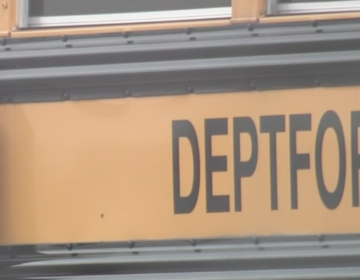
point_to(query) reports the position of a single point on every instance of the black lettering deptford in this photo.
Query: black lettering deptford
(271, 125)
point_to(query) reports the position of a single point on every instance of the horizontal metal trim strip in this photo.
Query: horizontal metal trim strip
(161, 42)
(180, 66)
(254, 32)
(50, 57)
(83, 89)
(285, 274)
(275, 253)
(203, 244)
(200, 257)
(122, 47)
(205, 248)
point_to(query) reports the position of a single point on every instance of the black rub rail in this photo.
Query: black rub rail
(306, 257)
(228, 59)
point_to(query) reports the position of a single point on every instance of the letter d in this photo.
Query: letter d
(184, 128)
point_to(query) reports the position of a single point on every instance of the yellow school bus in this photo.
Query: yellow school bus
(202, 139)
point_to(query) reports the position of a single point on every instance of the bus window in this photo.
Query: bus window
(288, 7)
(50, 13)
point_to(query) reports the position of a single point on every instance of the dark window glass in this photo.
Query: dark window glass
(91, 7)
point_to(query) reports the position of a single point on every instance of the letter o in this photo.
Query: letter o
(330, 199)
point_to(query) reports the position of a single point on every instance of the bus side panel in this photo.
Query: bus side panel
(103, 170)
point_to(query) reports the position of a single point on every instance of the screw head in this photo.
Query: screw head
(127, 93)
(252, 86)
(66, 95)
(321, 238)
(314, 23)
(250, 27)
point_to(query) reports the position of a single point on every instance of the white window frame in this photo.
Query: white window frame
(323, 6)
(25, 21)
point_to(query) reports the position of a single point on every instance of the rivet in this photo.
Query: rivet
(69, 246)
(321, 238)
(190, 89)
(252, 86)
(126, 34)
(316, 82)
(66, 95)
(193, 242)
(127, 93)
(3, 41)
(314, 23)
(131, 244)
(250, 27)
(188, 31)
(64, 38)
(256, 240)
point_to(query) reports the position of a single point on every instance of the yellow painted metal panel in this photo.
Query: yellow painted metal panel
(4, 16)
(7, 16)
(103, 170)
(246, 11)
